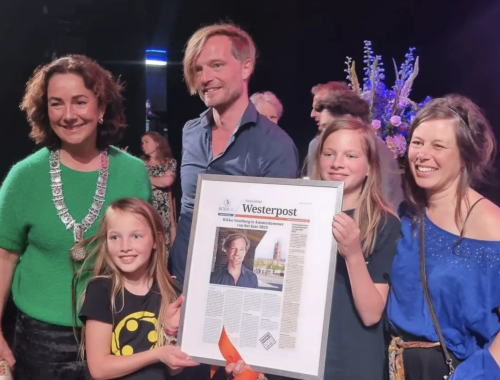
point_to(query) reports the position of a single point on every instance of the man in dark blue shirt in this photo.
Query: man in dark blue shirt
(235, 273)
(231, 137)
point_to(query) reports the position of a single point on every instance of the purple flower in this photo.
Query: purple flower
(397, 144)
(403, 127)
(403, 102)
(376, 124)
(396, 121)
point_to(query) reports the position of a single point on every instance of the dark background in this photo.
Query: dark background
(301, 43)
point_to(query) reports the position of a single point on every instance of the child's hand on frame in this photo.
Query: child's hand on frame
(172, 316)
(175, 359)
(235, 369)
(348, 236)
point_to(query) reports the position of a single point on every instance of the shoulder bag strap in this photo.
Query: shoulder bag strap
(423, 277)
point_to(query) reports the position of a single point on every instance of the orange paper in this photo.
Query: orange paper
(232, 355)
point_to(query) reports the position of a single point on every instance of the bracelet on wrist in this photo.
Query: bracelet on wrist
(170, 337)
(172, 333)
(170, 340)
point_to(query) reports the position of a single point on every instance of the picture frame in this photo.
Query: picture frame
(261, 263)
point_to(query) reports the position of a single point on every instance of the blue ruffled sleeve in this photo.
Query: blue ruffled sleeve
(480, 366)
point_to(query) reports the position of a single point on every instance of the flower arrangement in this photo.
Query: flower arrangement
(391, 109)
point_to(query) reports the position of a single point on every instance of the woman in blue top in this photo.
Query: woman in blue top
(483, 365)
(451, 148)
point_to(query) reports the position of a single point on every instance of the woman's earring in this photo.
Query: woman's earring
(101, 121)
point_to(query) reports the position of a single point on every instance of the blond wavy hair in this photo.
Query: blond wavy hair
(103, 266)
(372, 208)
(243, 48)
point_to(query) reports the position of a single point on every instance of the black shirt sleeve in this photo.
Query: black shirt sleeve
(97, 302)
(380, 261)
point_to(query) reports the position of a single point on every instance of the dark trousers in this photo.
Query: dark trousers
(9, 322)
(46, 352)
(426, 363)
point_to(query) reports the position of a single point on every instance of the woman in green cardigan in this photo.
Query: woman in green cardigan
(53, 199)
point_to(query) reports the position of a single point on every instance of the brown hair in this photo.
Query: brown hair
(164, 151)
(476, 144)
(98, 80)
(330, 86)
(105, 268)
(243, 48)
(226, 244)
(343, 102)
(372, 207)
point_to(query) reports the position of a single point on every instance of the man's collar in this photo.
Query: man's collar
(249, 116)
(244, 269)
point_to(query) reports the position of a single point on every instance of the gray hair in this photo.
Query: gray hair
(269, 97)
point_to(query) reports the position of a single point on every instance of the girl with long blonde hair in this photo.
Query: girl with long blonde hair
(366, 231)
(131, 305)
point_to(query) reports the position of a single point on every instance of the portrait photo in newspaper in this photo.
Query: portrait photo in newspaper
(261, 266)
(249, 258)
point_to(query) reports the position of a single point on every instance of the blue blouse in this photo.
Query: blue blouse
(480, 366)
(464, 286)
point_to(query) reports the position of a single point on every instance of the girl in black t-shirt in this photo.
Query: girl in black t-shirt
(131, 305)
(366, 232)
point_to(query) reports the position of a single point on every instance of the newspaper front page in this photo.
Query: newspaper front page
(260, 266)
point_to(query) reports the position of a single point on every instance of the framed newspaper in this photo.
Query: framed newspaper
(261, 265)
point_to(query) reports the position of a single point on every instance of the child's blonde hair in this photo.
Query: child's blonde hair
(372, 205)
(105, 268)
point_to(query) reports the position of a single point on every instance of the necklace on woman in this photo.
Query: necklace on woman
(77, 253)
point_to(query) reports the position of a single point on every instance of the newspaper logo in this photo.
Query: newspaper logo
(267, 341)
(226, 206)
